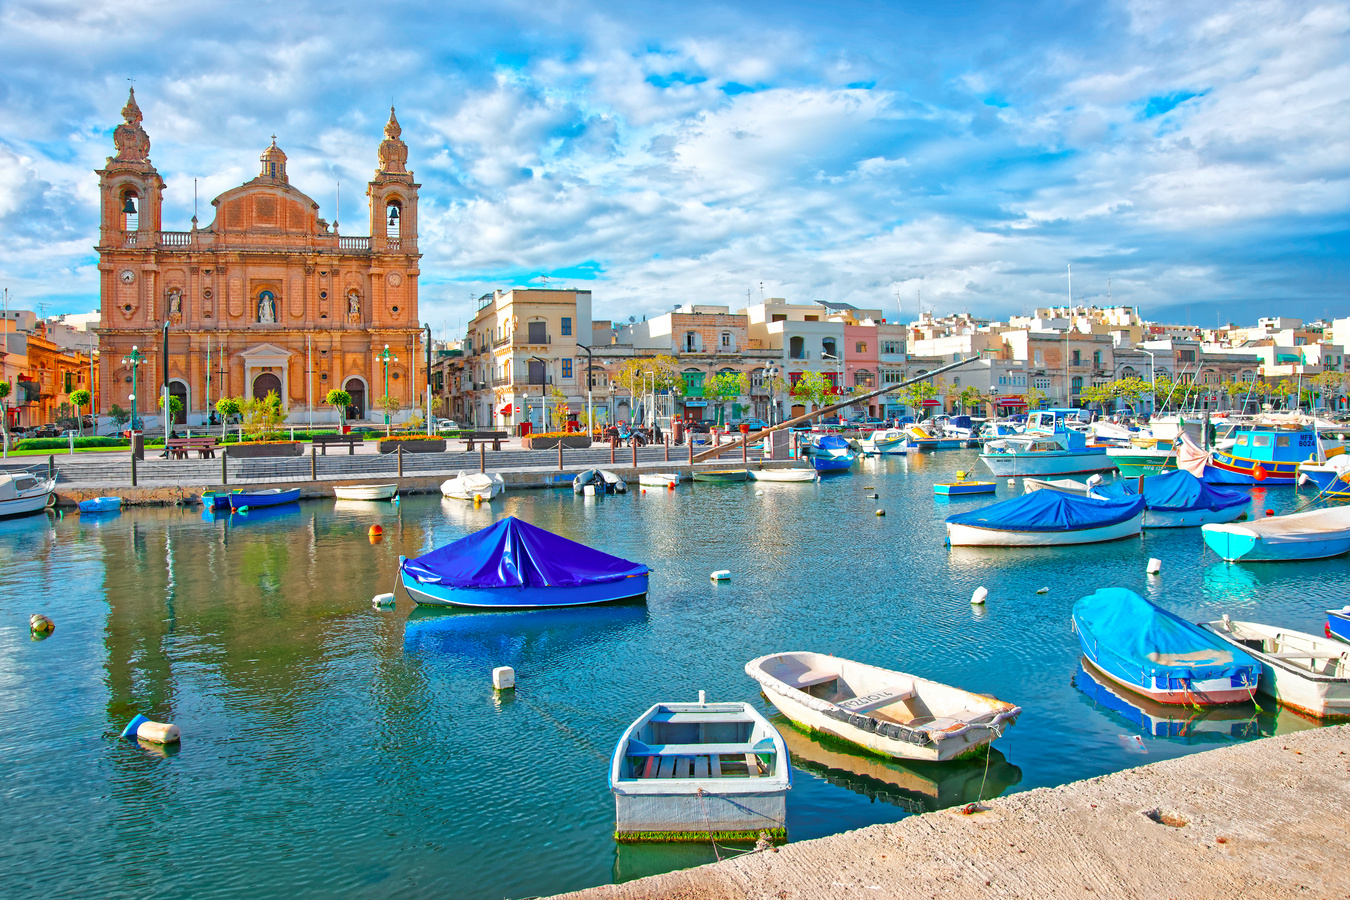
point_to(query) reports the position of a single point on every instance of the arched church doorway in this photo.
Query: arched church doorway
(265, 383)
(357, 389)
(180, 390)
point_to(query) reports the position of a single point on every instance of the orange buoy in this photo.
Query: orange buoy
(375, 533)
(1259, 473)
(1270, 512)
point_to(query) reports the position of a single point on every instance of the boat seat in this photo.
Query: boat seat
(876, 699)
(1306, 654)
(670, 751)
(809, 678)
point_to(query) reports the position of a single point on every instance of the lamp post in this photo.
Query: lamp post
(428, 330)
(770, 375)
(164, 389)
(133, 359)
(386, 357)
(1152, 379)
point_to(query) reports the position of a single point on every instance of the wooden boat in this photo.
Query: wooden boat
(722, 476)
(101, 505)
(1316, 534)
(659, 479)
(1149, 650)
(964, 488)
(920, 438)
(885, 441)
(1047, 519)
(1307, 673)
(217, 499)
(1047, 447)
(1260, 455)
(1338, 624)
(700, 772)
(1063, 485)
(23, 493)
(891, 713)
(1179, 500)
(365, 491)
(602, 480)
(516, 565)
(473, 486)
(1135, 461)
(1332, 478)
(793, 475)
(244, 500)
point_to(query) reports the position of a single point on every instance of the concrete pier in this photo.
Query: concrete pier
(1256, 820)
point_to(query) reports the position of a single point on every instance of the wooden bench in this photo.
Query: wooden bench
(876, 699)
(179, 448)
(483, 437)
(323, 440)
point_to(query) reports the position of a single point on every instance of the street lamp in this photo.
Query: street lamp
(386, 357)
(590, 383)
(771, 375)
(1152, 379)
(651, 401)
(428, 330)
(133, 359)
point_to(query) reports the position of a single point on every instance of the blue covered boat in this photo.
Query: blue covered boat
(1047, 519)
(1338, 623)
(830, 453)
(241, 500)
(1259, 455)
(1179, 500)
(514, 565)
(1149, 650)
(1315, 534)
(101, 504)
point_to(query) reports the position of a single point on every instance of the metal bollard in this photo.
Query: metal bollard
(398, 452)
(560, 443)
(482, 458)
(667, 448)
(611, 453)
(691, 450)
(313, 464)
(224, 473)
(133, 470)
(635, 443)
(51, 466)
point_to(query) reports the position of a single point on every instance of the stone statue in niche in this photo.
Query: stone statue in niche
(176, 306)
(267, 308)
(354, 306)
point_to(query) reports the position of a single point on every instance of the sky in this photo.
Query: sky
(1189, 159)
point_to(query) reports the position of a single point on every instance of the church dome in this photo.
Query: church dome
(274, 162)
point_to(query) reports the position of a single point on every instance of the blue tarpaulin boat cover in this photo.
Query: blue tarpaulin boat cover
(1051, 511)
(513, 553)
(831, 442)
(1138, 634)
(1179, 491)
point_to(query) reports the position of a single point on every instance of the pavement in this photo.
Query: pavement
(1263, 819)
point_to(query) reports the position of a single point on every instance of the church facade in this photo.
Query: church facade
(267, 297)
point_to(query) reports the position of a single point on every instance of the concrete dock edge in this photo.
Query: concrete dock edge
(1262, 819)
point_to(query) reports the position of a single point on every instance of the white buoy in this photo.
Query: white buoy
(382, 600)
(1045, 590)
(1154, 566)
(1012, 481)
(702, 698)
(588, 490)
(721, 575)
(158, 732)
(978, 597)
(503, 678)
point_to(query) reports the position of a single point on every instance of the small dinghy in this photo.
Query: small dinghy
(963, 488)
(1063, 485)
(516, 565)
(1338, 623)
(23, 493)
(602, 480)
(217, 499)
(1149, 650)
(659, 479)
(1317, 534)
(722, 476)
(246, 500)
(365, 491)
(1307, 673)
(830, 453)
(1179, 500)
(784, 475)
(101, 505)
(474, 486)
(883, 442)
(700, 772)
(1047, 519)
(891, 713)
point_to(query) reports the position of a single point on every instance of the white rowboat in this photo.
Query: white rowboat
(23, 494)
(659, 479)
(475, 486)
(365, 491)
(1307, 673)
(784, 475)
(886, 712)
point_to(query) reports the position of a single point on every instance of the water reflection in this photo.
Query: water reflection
(508, 638)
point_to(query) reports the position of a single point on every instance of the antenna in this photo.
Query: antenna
(337, 210)
(194, 200)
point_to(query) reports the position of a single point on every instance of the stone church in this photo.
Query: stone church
(267, 297)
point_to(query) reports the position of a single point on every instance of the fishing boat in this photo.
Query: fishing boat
(964, 488)
(784, 475)
(100, 505)
(885, 441)
(365, 491)
(1153, 652)
(244, 500)
(515, 565)
(700, 772)
(1047, 447)
(602, 481)
(1331, 478)
(1162, 720)
(830, 453)
(217, 499)
(1307, 673)
(1338, 623)
(659, 479)
(1316, 534)
(1267, 454)
(722, 476)
(1047, 519)
(23, 493)
(891, 713)
(479, 486)
(1179, 500)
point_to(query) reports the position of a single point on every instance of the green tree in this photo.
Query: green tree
(1163, 389)
(339, 400)
(119, 416)
(723, 387)
(913, 395)
(262, 417)
(1100, 394)
(1034, 397)
(664, 371)
(389, 406)
(969, 397)
(67, 416)
(227, 406)
(175, 406)
(813, 388)
(83, 398)
(1131, 390)
(1327, 386)
(4, 413)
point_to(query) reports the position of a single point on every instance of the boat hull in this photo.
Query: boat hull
(971, 536)
(1069, 462)
(524, 597)
(245, 500)
(1293, 686)
(365, 491)
(1234, 544)
(784, 475)
(1133, 463)
(964, 488)
(1338, 625)
(659, 479)
(1329, 482)
(470, 487)
(1227, 468)
(832, 463)
(24, 506)
(1212, 692)
(101, 505)
(1193, 518)
(725, 477)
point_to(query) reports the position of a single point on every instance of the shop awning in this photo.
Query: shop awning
(1011, 401)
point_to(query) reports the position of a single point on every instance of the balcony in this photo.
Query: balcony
(357, 244)
(501, 342)
(529, 341)
(800, 354)
(499, 380)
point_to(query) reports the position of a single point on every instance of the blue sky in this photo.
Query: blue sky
(1195, 157)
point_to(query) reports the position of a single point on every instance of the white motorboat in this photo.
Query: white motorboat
(365, 491)
(700, 771)
(1063, 485)
(885, 441)
(1047, 447)
(659, 479)
(1307, 673)
(784, 475)
(1316, 534)
(891, 713)
(474, 486)
(23, 493)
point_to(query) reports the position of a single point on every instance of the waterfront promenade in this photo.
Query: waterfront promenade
(1261, 819)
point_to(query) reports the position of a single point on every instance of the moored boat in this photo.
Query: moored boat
(700, 772)
(830, 453)
(1153, 652)
(217, 499)
(474, 486)
(920, 438)
(722, 476)
(1338, 623)
(885, 441)
(964, 488)
(602, 481)
(1259, 455)
(101, 505)
(1332, 478)
(793, 475)
(365, 491)
(1305, 672)
(659, 479)
(1135, 461)
(1047, 519)
(1316, 534)
(891, 713)
(1163, 720)
(1063, 485)
(23, 493)
(246, 500)
(1179, 500)
(516, 565)
(1047, 447)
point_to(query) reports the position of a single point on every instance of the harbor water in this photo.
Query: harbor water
(331, 748)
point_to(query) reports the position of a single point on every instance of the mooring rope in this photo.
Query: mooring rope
(989, 751)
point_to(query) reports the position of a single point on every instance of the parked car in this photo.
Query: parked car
(755, 423)
(866, 422)
(697, 427)
(443, 425)
(47, 430)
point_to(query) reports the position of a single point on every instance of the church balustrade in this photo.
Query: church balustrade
(354, 243)
(175, 238)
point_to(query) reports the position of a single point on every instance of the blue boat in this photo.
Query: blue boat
(241, 500)
(1315, 534)
(1259, 455)
(1338, 623)
(101, 505)
(216, 499)
(1332, 478)
(1147, 649)
(516, 565)
(1047, 519)
(1158, 720)
(963, 488)
(1178, 499)
(830, 453)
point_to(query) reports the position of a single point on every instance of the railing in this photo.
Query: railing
(395, 244)
(129, 240)
(527, 340)
(501, 342)
(499, 380)
(801, 354)
(175, 238)
(354, 243)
